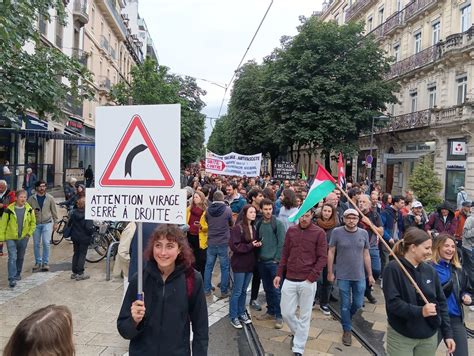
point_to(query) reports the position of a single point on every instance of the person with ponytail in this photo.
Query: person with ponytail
(412, 324)
(173, 299)
(327, 221)
(456, 287)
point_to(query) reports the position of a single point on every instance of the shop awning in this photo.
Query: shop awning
(70, 137)
(393, 158)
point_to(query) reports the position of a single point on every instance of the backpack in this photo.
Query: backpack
(273, 222)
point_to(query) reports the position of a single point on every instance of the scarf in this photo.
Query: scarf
(327, 225)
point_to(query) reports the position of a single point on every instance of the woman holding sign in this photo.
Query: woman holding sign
(173, 299)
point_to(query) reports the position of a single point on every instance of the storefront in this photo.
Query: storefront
(455, 168)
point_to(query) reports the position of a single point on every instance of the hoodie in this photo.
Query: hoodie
(436, 221)
(404, 306)
(219, 221)
(170, 313)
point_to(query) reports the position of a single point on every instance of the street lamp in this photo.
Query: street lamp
(369, 168)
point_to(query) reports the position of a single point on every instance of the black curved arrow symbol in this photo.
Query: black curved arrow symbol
(131, 156)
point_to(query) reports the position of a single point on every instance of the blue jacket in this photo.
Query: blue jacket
(237, 204)
(390, 217)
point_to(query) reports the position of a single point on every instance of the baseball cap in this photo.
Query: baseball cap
(467, 203)
(461, 188)
(416, 204)
(351, 212)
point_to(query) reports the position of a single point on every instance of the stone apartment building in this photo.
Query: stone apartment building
(432, 42)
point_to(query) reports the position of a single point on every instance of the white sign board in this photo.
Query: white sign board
(137, 160)
(233, 164)
(458, 148)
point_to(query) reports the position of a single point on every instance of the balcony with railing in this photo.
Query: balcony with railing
(457, 42)
(417, 7)
(79, 12)
(393, 22)
(104, 83)
(435, 117)
(418, 60)
(356, 9)
(73, 106)
(80, 55)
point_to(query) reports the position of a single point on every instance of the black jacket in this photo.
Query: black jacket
(81, 229)
(409, 221)
(165, 329)
(404, 305)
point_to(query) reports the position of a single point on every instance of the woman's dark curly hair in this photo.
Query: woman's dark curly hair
(173, 233)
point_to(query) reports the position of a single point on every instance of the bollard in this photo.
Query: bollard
(107, 261)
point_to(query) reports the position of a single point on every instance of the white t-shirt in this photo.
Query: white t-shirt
(284, 215)
(6, 170)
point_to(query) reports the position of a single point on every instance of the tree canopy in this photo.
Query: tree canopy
(33, 75)
(153, 84)
(319, 90)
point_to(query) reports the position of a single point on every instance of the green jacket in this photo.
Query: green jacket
(9, 225)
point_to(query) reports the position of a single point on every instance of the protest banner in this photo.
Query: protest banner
(233, 164)
(284, 170)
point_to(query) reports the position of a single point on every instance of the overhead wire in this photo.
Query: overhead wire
(243, 58)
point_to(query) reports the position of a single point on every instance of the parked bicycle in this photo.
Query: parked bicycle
(57, 234)
(106, 232)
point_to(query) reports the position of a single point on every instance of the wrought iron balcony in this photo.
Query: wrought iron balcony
(414, 120)
(80, 55)
(416, 7)
(357, 9)
(418, 60)
(79, 12)
(393, 22)
(104, 83)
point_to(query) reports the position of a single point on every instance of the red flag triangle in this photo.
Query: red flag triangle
(106, 180)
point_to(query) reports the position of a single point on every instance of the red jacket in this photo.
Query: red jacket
(305, 253)
(460, 226)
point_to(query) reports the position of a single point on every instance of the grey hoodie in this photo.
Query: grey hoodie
(219, 220)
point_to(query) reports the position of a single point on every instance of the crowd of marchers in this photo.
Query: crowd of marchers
(332, 255)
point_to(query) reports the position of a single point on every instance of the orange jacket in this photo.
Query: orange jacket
(460, 227)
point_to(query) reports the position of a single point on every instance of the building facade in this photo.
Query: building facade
(431, 42)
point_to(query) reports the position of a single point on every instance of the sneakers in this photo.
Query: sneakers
(12, 283)
(17, 278)
(278, 323)
(73, 275)
(347, 338)
(265, 317)
(45, 268)
(236, 323)
(37, 267)
(325, 309)
(255, 306)
(245, 319)
(471, 308)
(81, 277)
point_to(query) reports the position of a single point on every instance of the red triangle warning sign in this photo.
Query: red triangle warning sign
(108, 180)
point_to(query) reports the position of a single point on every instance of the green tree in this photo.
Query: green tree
(220, 141)
(152, 84)
(252, 129)
(31, 73)
(319, 90)
(425, 184)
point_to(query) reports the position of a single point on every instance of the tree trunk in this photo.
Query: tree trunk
(327, 160)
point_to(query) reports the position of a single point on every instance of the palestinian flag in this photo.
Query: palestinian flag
(323, 184)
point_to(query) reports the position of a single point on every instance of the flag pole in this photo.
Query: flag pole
(387, 246)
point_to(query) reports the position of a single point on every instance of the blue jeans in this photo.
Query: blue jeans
(239, 294)
(16, 255)
(42, 235)
(268, 271)
(375, 262)
(349, 307)
(212, 253)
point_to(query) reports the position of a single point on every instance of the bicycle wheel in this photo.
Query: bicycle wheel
(97, 249)
(57, 234)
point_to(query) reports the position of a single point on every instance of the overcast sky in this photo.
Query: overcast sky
(207, 38)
